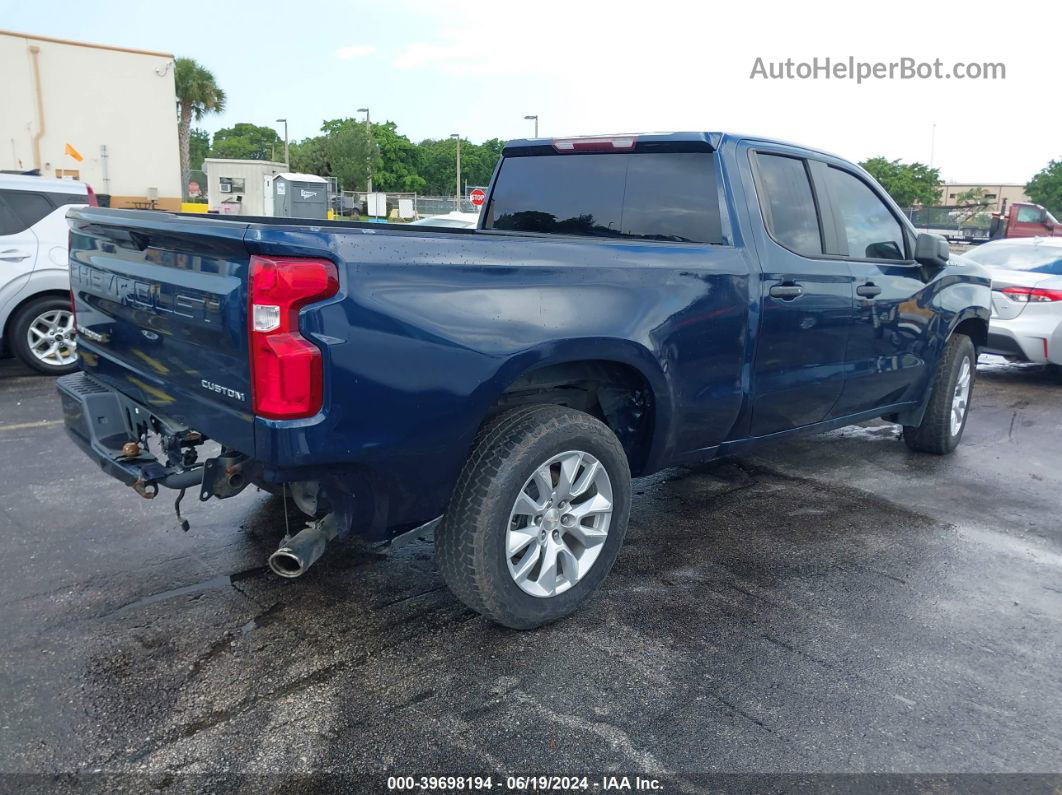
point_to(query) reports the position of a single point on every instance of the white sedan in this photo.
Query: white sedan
(454, 220)
(1026, 273)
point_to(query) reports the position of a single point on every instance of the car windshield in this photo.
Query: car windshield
(1039, 259)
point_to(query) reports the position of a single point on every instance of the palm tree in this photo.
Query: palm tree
(197, 94)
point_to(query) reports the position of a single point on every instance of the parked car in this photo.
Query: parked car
(1024, 219)
(1026, 322)
(454, 220)
(36, 323)
(627, 303)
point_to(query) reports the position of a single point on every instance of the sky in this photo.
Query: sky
(477, 68)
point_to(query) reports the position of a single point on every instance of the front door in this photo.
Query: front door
(886, 346)
(806, 302)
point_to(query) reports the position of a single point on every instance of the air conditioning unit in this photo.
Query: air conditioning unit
(225, 187)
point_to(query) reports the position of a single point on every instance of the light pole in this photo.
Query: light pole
(368, 138)
(287, 160)
(535, 119)
(457, 197)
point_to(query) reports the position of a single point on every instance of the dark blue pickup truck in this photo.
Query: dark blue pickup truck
(628, 303)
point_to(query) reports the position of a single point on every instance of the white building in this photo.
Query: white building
(112, 107)
(241, 187)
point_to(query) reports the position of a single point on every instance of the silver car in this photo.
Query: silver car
(1026, 273)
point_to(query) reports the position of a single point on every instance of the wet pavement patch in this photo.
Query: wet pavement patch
(835, 603)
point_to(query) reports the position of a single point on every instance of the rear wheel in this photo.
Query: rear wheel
(537, 517)
(43, 336)
(949, 403)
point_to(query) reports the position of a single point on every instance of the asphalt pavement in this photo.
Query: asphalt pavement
(834, 604)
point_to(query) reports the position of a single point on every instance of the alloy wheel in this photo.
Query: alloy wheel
(559, 523)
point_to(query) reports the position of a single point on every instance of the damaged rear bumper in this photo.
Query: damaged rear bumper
(112, 430)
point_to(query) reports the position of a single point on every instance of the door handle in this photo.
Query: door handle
(12, 255)
(787, 292)
(868, 290)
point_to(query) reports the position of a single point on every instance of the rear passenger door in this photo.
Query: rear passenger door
(18, 242)
(806, 298)
(886, 354)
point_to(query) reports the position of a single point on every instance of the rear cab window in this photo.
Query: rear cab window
(654, 196)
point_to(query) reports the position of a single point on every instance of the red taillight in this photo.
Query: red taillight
(92, 197)
(596, 143)
(287, 379)
(1032, 295)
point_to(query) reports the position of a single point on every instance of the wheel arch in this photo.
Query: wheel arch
(619, 381)
(973, 322)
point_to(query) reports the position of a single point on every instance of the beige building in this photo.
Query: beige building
(998, 197)
(112, 107)
(241, 187)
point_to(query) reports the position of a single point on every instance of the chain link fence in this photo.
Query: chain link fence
(351, 204)
(971, 223)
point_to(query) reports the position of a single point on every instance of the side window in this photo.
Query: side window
(28, 208)
(788, 204)
(1029, 215)
(873, 232)
(9, 224)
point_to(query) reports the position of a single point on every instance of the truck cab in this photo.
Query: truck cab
(1025, 219)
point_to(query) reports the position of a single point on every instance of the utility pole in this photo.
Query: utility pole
(368, 137)
(287, 160)
(457, 197)
(535, 119)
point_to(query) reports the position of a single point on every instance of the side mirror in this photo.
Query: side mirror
(931, 250)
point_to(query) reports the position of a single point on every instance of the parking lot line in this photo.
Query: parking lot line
(21, 426)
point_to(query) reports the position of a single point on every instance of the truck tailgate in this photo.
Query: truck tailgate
(161, 303)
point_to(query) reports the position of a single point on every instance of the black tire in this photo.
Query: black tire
(934, 434)
(470, 542)
(20, 324)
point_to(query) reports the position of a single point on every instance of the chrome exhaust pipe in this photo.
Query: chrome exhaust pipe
(297, 553)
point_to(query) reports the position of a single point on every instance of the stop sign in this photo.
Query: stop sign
(477, 197)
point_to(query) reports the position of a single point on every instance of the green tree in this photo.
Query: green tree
(343, 150)
(909, 184)
(308, 156)
(198, 149)
(972, 204)
(439, 165)
(350, 153)
(400, 161)
(246, 141)
(197, 94)
(1046, 187)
